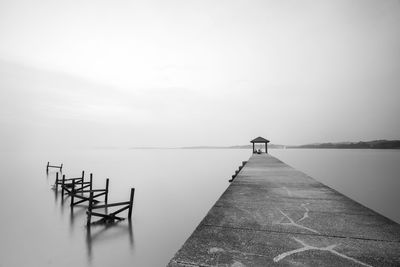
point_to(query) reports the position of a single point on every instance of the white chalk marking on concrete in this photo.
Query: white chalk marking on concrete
(219, 251)
(237, 264)
(309, 247)
(306, 213)
(295, 224)
(247, 253)
(215, 250)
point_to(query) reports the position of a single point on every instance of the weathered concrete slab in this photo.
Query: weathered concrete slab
(220, 246)
(273, 214)
(300, 221)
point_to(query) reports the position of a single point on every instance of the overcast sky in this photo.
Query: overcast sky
(179, 73)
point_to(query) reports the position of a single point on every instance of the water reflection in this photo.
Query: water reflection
(55, 194)
(76, 212)
(63, 200)
(49, 172)
(104, 232)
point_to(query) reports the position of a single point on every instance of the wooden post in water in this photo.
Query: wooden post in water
(91, 181)
(62, 185)
(89, 211)
(57, 181)
(106, 195)
(131, 203)
(72, 193)
(47, 167)
(61, 167)
(83, 174)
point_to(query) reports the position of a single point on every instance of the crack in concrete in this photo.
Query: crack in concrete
(299, 233)
(223, 206)
(309, 247)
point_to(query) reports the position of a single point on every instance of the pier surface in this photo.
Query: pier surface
(273, 214)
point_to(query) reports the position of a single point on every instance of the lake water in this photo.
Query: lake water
(368, 176)
(174, 191)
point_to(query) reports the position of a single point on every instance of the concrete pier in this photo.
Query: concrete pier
(272, 214)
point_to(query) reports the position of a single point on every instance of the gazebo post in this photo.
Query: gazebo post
(260, 140)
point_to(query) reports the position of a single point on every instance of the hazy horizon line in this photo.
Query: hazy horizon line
(246, 146)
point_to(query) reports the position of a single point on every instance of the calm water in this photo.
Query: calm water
(174, 191)
(369, 176)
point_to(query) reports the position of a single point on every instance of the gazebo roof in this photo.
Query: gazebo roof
(259, 140)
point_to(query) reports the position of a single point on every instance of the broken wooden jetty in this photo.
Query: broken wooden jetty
(274, 215)
(77, 188)
(67, 183)
(94, 193)
(81, 191)
(112, 216)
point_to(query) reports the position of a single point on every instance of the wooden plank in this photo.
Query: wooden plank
(77, 178)
(111, 205)
(79, 190)
(107, 216)
(93, 190)
(119, 210)
(98, 195)
(86, 198)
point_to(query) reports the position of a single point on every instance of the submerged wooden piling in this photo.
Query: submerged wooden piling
(89, 210)
(131, 203)
(63, 185)
(57, 182)
(72, 193)
(106, 195)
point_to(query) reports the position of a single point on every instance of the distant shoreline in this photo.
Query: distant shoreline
(375, 144)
